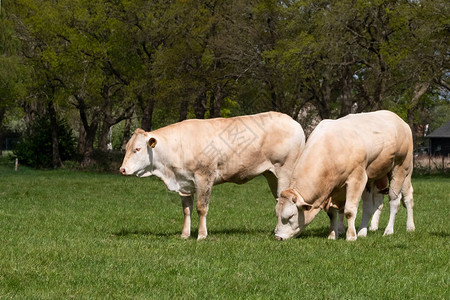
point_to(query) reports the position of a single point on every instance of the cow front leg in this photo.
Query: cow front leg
(187, 203)
(334, 223)
(355, 187)
(203, 193)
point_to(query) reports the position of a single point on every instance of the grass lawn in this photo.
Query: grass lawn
(67, 234)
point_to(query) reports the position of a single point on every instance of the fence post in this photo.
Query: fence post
(429, 164)
(16, 164)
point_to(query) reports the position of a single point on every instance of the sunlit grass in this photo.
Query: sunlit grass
(73, 234)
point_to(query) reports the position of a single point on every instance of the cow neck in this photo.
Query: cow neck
(164, 164)
(314, 190)
(315, 174)
(162, 170)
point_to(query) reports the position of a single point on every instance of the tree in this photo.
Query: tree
(345, 56)
(13, 74)
(165, 61)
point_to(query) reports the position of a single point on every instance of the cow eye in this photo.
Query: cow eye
(137, 150)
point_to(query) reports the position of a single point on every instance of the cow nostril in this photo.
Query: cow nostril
(279, 238)
(122, 170)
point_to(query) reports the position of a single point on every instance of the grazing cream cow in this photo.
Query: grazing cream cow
(345, 156)
(193, 155)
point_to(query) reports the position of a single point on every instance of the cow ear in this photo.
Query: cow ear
(299, 202)
(296, 198)
(289, 194)
(152, 142)
(305, 206)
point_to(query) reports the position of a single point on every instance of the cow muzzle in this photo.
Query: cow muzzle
(123, 171)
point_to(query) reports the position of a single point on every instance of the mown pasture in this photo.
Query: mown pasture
(70, 234)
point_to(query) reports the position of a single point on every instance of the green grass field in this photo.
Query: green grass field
(67, 234)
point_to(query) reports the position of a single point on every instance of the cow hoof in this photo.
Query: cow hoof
(332, 236)
(351, 238)
(388, 231)
(373, 228)
(201, 237)
(362, 232)
(410, 228)
(185, 236)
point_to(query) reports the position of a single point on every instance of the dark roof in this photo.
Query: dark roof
(441, 132)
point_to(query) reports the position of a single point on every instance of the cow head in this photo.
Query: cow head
(138, 159)
(293, 214)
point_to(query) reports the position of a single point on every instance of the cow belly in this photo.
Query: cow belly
(241, 174)
(380, 167)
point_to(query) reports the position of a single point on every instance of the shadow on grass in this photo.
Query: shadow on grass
(321, 232)
(308, 233)
(441, 234)
(194, 233)
(127, 232)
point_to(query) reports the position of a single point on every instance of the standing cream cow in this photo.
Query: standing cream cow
(193, 155)
(346, 155)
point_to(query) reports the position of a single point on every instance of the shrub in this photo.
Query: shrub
(35, 148)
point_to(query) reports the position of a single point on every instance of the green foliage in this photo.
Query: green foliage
(112, 60)
(35, 148)
(83, 235)
(441, 115)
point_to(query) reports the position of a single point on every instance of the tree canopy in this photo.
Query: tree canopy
(99, 63)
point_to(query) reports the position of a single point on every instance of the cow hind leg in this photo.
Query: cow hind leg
(187, 203)
(395, 196)
(408, 201)
(378, 200)
(366, 211)
(341, 226)
(394, 204)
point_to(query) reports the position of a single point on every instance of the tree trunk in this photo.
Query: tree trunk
(323, 109)
(380, 87)
(147, 112)
(2, 116)
(126, 133)
(419, 90)
(81, 139)
(56, 158)
(347, 97)
(106, 118)
(183, 110)
(88, 155)
(104, 134)
(216, 102)
(200, 106)
(322, 99)
(90, 133)
(273, 97)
